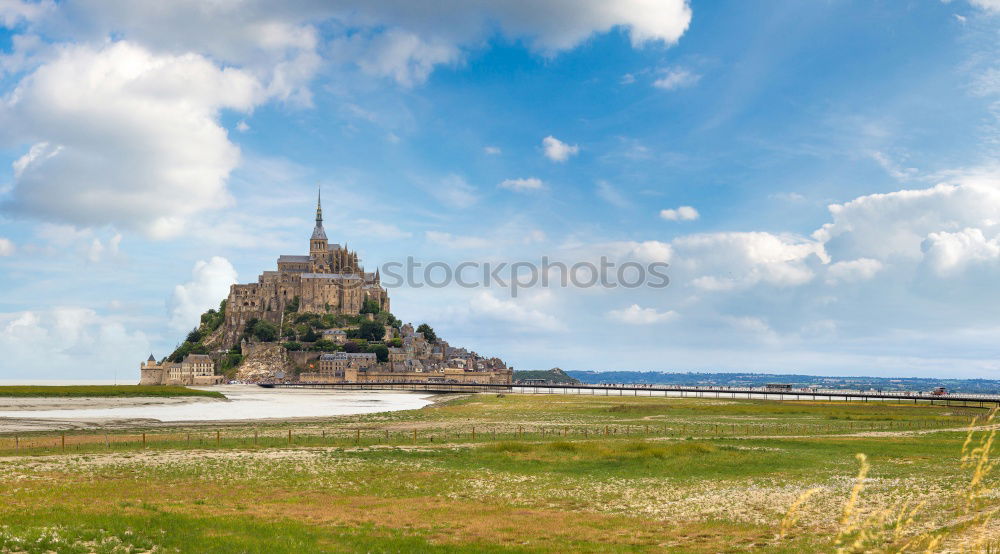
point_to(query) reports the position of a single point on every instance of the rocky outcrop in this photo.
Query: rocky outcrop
(264, 362)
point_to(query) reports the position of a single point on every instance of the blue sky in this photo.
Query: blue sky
(822, 177)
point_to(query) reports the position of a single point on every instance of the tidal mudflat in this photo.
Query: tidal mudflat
(241, 402)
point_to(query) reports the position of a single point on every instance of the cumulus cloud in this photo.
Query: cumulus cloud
(73, 342)
(392, 38)
(484, 305)
(683, 213)
(557, 150)
(209, 285)
(125, 131)
(675, 78)
(636, 315)
(15, 12)
(492, 150)
(852, 271)
(6, 247)
(895, 225)
(123, 137)
(950, 253)
(99, 251)
(522, 184)
(731, 261)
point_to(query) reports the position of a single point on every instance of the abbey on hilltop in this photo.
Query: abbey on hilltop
(318, 318)
(329, 280)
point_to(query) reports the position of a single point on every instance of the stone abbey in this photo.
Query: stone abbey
(330, 279)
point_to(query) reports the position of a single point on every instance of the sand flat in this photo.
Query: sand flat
(242, 403)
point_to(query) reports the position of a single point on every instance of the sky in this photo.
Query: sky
(822, 179)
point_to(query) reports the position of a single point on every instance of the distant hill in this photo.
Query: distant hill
(554, 375)
(981, 386)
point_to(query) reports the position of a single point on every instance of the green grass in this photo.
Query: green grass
(541, 474)
(69, 391)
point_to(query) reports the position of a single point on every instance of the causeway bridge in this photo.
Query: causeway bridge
(829, 395)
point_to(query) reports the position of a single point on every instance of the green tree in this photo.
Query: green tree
(230, 361)
(310, 336)
(397, 342)
(370, 306)
(386, 318)
(265, 331)
(371, 331)
(194, 335)
(293, 346)
(352, 346)
(324, 346)
(428, 332)
(292, 306)
(380, 351)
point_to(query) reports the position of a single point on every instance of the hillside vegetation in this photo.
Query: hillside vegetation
(365, 332)
(554, 375)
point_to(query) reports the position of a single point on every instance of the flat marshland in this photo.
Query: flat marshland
(518, 473)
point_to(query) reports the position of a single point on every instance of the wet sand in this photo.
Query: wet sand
(243, 403)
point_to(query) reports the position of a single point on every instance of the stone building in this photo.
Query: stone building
(417, 361)
(195, 369)
(328, 280)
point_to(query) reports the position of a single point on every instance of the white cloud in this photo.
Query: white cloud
(453, 241)
(242, 126)
(6, 247)
(683, 213)
(492, 150)
(787, 196)
(15, 12)
(732, 261)
(675, 78)
(392, 38)
(892, 168)
(612, 195)
(208, 286)
(636, 315)
(852, 271)
(406, 57)
(645, 251)
(484, 305)
(950, 253)
(522, 184)
(895, 225)
(989, 5)
(557, 150)
(455, 192)
(123, 137)
(99, 251)
(627, 79)
(73, 342)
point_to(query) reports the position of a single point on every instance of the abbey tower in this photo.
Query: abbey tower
(330, 279)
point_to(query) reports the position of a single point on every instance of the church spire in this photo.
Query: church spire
(318, 242)
(319, 207)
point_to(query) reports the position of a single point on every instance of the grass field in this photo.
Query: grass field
(99, 391)
(516, 473)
